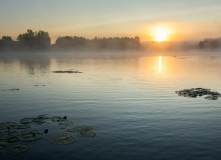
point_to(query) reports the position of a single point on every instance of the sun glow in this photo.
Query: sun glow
(160, 64)
(161, 34)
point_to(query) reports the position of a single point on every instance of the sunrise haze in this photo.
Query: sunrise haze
(185, 20)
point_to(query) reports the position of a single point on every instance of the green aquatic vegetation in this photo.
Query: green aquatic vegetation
(13, 89)
(80, 129)
(194, 92)
(30, 135)
(26, 120)
(45, 116)
(63, 140)
(14, 148)
(38, 120)
(65, 123)
(69, 71)
(4, 144)
(9, 136)
(12, 125)
(87, 134)
(62, 121)
(8, 125)
(211, 97)
(23, 126)
(84, 131)
(58, 119)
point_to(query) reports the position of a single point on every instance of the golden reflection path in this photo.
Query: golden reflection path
(160, 64)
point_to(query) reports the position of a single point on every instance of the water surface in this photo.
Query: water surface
(130, 103)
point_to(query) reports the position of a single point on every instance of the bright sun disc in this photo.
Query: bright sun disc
(161, 34)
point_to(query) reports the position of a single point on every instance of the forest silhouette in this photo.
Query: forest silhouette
(40, 40)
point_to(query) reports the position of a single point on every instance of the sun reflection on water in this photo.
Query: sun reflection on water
(160, 64)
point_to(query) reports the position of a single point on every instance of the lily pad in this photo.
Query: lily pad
(18, 148)
(45, 116)
(69, 71)
(13, 139)
(38, 120)
(57, 119)
(211, 97)
(11, 125)
(65, 123)
(3, 150)
(80, 129)
(13, 89)
(194, 92)
(14, 149)
(87, 134)
(9, 136)
(63, 140)
(26, 120)
(5, 144)
(30, 135)
(23, 126)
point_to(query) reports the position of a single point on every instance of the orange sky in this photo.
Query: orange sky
(186, 20)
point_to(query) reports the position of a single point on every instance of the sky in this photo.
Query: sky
(187, 20)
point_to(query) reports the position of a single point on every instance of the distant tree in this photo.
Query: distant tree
(43, 38)
(210, 43)
(68, 41)
(99, 43)
(35, 39)
(7, 38)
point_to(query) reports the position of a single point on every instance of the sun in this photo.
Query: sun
(161, 34)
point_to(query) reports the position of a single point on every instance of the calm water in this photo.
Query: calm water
(130, 103)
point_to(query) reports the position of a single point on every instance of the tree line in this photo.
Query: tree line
(210, 43)
(41, 40)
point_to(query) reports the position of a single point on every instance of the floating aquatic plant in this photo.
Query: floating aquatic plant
(45, 116)
(84, 131)
(80, 129)
(8, 125)
(13, 89)
(63, 140)
(194, 92)
(30, 135)
(9, 136)
(62, 120)
(4, 144)
(87, 134)
(12, 125)
(14, 148)
(65, 123)
(57, 119)
(211, 97)
(69, 71)
(38, 120)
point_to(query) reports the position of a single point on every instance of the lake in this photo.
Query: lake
(130, 102)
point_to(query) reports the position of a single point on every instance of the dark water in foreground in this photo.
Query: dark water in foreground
(130, 103)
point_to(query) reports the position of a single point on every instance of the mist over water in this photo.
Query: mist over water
(127, 97)
(109, 80)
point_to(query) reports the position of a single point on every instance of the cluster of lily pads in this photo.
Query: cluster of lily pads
(10, 136)
(194, 92)
(68, 71)
(13, 89)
